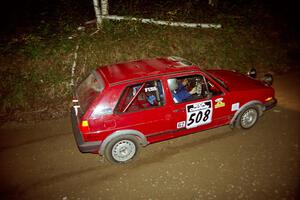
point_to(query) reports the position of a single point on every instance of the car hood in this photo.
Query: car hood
(236, 81)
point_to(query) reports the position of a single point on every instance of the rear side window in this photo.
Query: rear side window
(88, 90)
(141, 96)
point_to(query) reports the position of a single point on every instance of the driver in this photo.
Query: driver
(179, 90)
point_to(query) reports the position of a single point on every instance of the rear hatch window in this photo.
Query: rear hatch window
(88, 90)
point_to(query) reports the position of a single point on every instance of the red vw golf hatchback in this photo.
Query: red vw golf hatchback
(120, 107)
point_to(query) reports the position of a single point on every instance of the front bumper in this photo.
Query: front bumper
(270, 104)
(84, 147)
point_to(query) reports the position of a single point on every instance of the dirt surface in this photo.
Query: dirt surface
(41, 161)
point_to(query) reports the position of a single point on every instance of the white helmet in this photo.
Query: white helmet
(173, 85)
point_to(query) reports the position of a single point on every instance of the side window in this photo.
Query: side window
(141, 96)
(214, 90)
(187, 88)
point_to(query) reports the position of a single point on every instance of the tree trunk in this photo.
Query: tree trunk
(98, 13)
(104, 7)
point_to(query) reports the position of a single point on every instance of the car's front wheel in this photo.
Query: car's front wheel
(122, 149)
(247, 118)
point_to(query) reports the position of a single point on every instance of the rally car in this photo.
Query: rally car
(119, 108)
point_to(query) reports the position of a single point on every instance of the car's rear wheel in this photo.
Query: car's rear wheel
(247, 118)
(122, 149)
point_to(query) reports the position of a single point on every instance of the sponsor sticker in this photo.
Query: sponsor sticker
(219, 103)
(235, 106)
(150, 89)
(181, 124)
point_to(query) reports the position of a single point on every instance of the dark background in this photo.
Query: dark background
(279, 17)
(25, 14)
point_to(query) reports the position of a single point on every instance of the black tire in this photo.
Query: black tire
(247, 118)
(122, 149)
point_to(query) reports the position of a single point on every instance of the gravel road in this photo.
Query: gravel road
(41, 161)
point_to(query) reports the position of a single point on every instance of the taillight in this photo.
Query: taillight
(84, 126)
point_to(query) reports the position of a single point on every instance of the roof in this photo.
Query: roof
(117, 73)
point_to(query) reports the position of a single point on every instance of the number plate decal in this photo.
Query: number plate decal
(198, 114)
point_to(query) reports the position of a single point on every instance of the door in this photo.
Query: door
(198, 104)
(142, 108)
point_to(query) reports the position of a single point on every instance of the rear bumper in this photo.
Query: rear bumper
(84, 147)
(271, 104)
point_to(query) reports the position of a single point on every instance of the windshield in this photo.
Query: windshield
(88, 90)
(220, 82)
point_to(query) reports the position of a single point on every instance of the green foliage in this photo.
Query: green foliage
(40, 71)
(33, 46)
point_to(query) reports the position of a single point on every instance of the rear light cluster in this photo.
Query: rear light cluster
(84, 126)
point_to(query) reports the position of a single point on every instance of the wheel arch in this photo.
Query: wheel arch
(140, 138)
(256, 103)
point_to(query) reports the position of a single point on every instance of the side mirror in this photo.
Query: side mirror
(268, 79)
